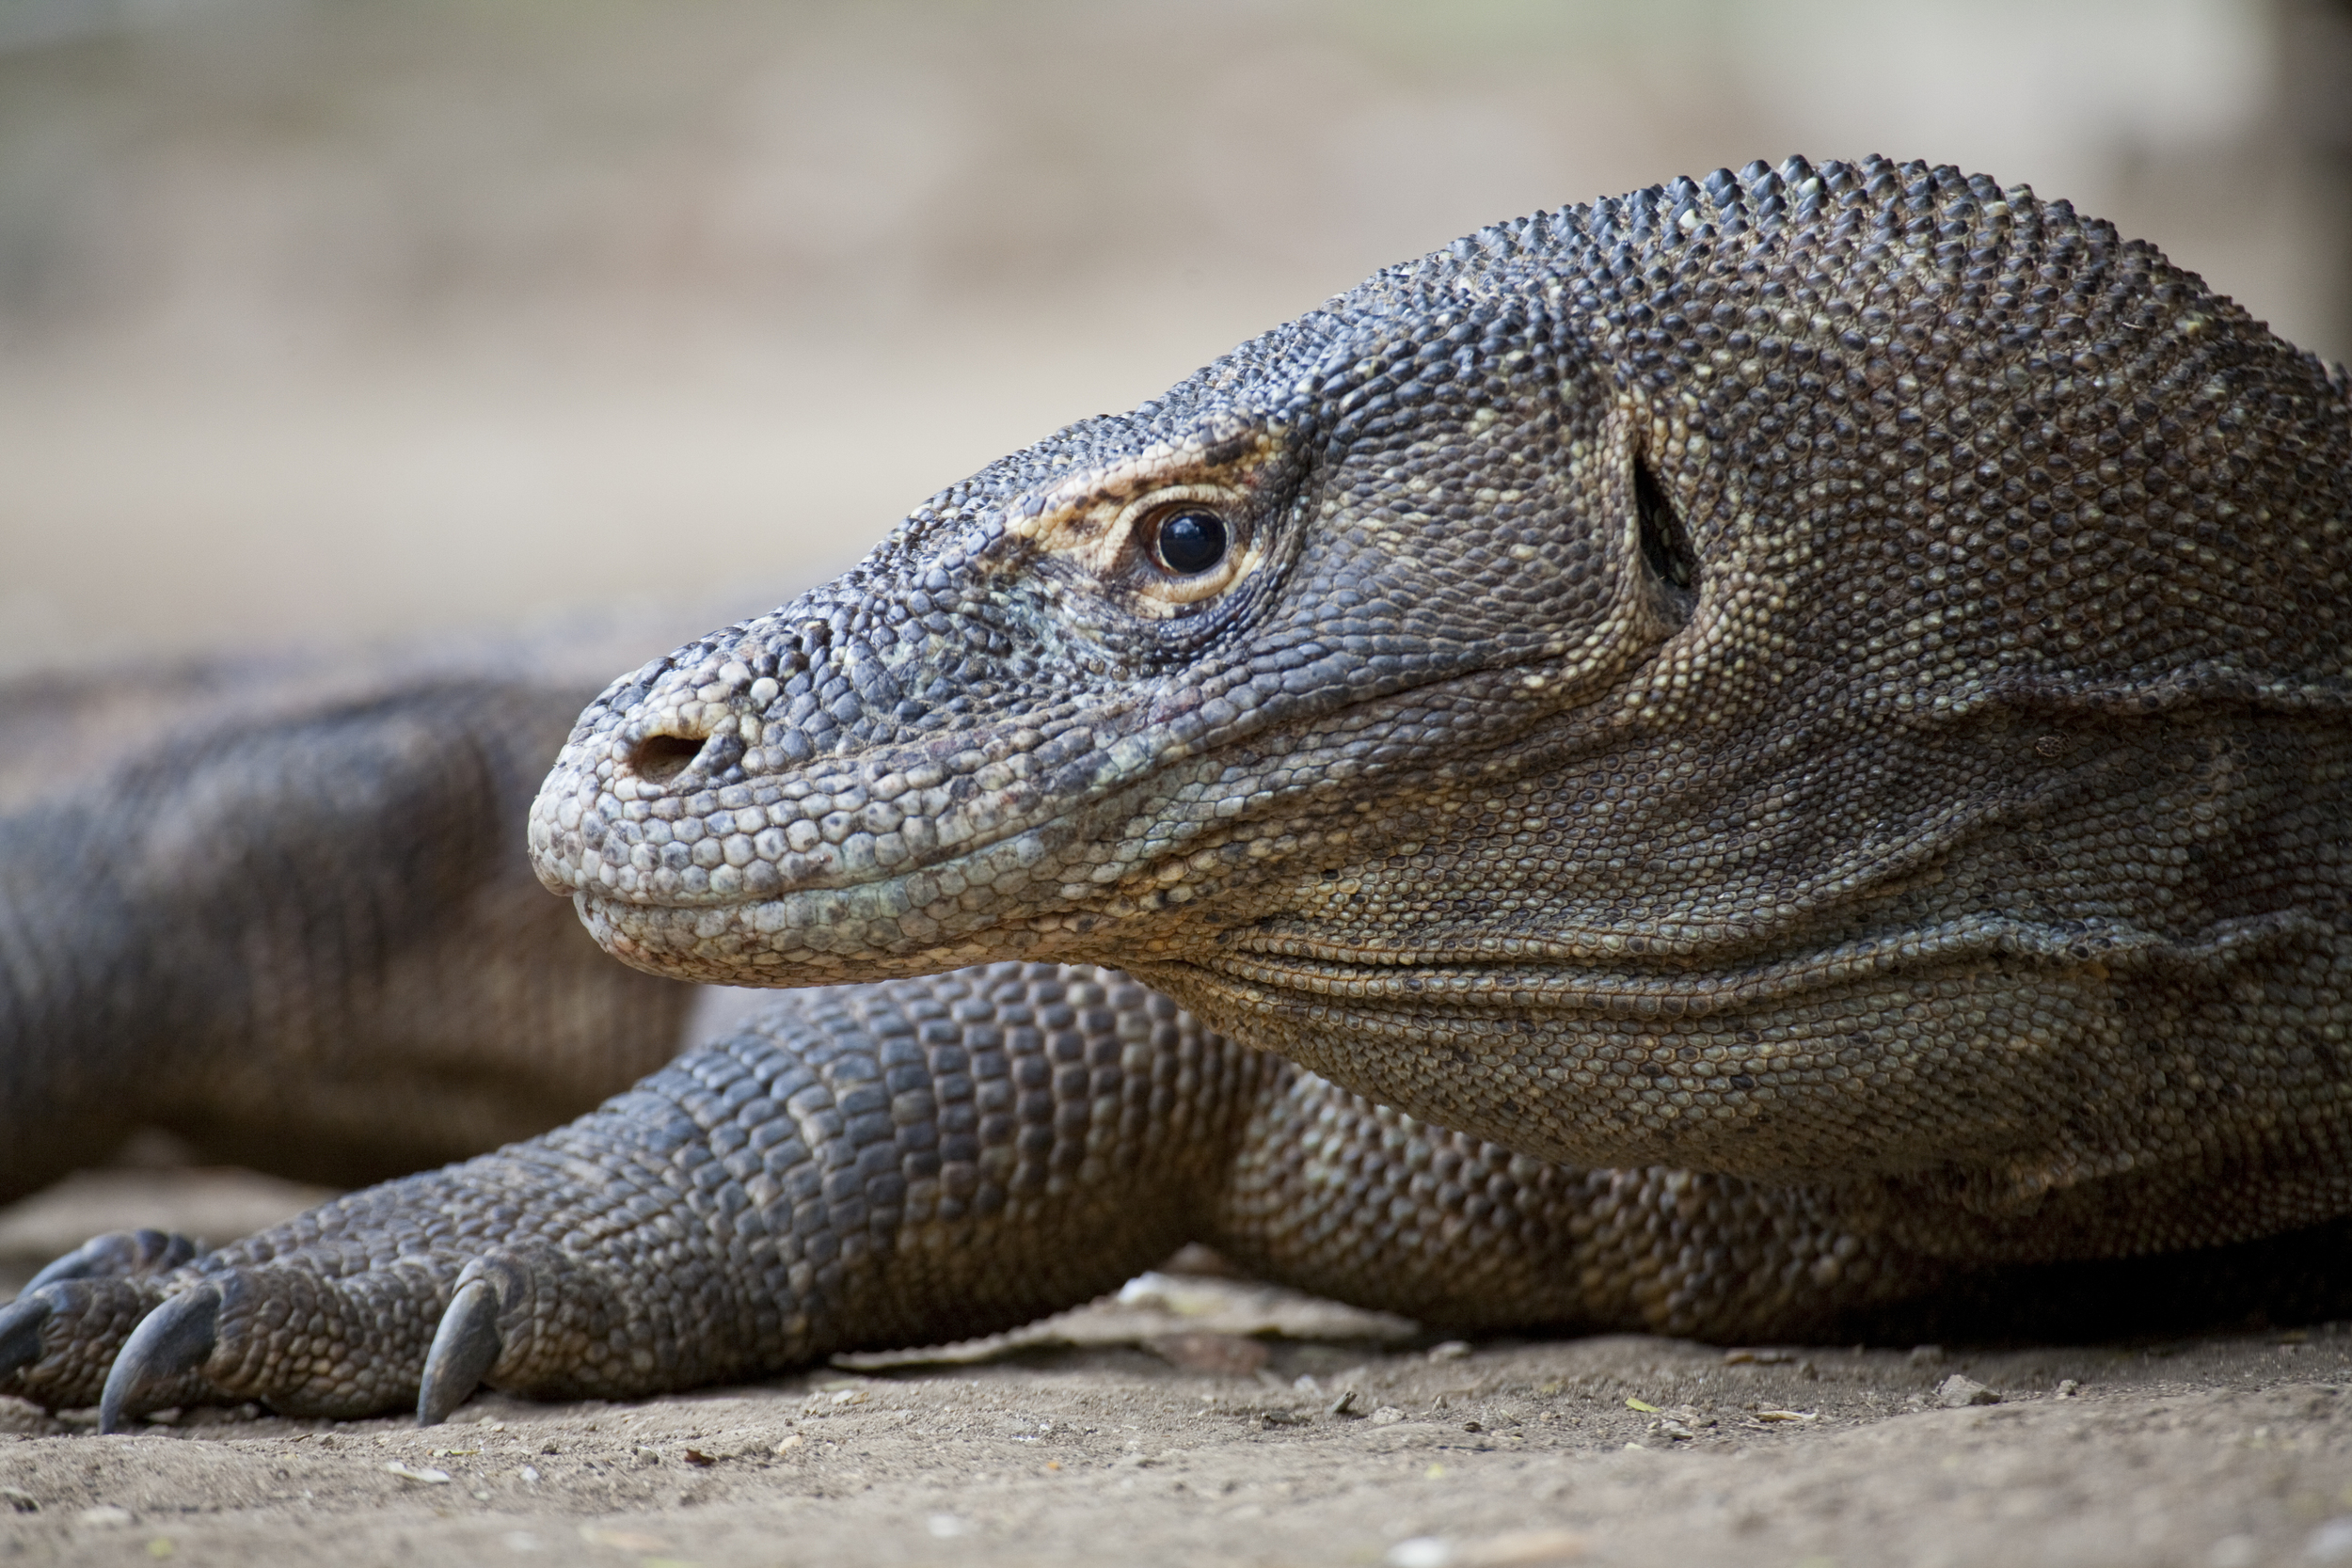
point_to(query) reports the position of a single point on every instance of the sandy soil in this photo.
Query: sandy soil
(1204, 1419)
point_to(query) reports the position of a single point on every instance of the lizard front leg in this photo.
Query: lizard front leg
(865, 1167)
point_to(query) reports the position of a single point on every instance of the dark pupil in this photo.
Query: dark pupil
(1192, 542)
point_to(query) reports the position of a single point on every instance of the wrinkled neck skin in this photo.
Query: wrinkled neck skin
(1729, 678)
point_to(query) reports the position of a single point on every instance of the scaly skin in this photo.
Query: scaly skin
(1804, 717)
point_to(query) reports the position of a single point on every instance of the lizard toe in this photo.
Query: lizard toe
(546, 1324)
(118, 1255)
(317, 1333)
(57, 1341)
(21, 1323)
(162, 1363)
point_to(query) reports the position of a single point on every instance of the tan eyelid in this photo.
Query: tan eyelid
(1089, 521)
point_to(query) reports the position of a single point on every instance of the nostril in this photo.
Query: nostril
(662, 757)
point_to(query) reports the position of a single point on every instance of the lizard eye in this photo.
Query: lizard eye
(1187, 542)
(1182, 544)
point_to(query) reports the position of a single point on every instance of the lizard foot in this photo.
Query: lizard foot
(307, 1339)
(339, 1314)
(317, 1332)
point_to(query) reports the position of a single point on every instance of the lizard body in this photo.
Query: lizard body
(1844, 686)
(299, 932)
(1771, 750)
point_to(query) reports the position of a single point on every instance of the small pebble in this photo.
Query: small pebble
(1421, 1551)
(1387, 1416)
(1957, 1392)
(1452, 1349)
(104, 1514)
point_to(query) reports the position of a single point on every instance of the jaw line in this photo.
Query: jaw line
(1129, 764)
(1530, 984)
(829, 926)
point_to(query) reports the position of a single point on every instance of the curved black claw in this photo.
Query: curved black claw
(156, 1363)
(120, 1254)
(20, 1323)
(464, 1348)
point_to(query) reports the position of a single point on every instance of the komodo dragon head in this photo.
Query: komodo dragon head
(1808, 669)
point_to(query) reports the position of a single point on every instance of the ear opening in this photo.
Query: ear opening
(1665, 543)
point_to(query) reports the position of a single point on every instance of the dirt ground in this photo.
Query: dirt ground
(1199, 1420)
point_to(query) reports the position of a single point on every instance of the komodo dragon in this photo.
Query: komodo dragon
(1753, 760)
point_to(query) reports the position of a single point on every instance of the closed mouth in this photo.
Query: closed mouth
(1478, 982)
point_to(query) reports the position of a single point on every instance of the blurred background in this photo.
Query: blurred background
(325, 323)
